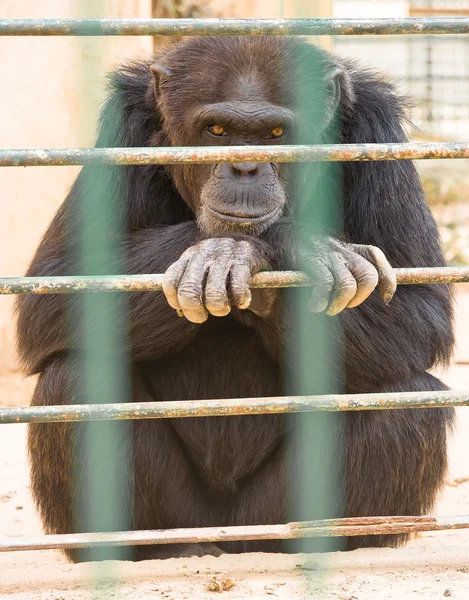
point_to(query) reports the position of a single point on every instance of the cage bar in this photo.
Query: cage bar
(213, 154)
(189, 27)
(327, 528)
(204, 155)
(232, 407)
(153, 283)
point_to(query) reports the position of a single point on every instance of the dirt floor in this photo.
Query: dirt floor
(435, 565)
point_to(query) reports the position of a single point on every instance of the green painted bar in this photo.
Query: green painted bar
(211, 154)
(152, 283)
(232, 407)
(186, 27)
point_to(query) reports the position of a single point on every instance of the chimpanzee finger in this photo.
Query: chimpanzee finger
(216, 294)
(345, 286)
(386, 276)
(323, 284)
(190, 289)
(365, 275)
(173, 276)
(240, 278)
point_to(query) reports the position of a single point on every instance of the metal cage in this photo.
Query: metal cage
(152, 283)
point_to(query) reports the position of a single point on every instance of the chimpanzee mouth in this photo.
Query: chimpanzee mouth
(245, 218)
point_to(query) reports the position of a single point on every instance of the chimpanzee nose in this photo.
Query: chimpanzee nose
(244, 168)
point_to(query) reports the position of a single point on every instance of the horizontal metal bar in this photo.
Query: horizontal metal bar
(432, 275)
(212, 154)
(152, 283)
(185, 27)
(305, 529)
(232, 407)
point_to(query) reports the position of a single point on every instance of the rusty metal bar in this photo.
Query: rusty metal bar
(211, 154)
(152, 283)
(232, 407)
(326, 528)
(186, 27)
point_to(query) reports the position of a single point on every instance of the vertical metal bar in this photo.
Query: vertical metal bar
(314, 492)
(103, 451)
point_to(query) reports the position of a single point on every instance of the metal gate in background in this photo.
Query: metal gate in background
(432, 70)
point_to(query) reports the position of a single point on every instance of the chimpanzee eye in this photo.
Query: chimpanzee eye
(277, 132)
(217, 130)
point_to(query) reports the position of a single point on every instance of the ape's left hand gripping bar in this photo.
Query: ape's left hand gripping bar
(153, 283)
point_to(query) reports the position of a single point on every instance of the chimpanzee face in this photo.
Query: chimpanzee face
(244, 197)
(204, 105)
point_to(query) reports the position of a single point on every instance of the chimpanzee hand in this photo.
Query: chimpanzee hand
(213, 276)
(344, 275)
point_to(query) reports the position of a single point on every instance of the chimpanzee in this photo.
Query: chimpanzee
(209, 228)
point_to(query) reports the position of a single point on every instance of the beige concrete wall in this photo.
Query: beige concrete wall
(50, 90)
(271, 9)
(276, 9)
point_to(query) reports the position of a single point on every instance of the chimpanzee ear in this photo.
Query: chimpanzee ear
(160, 74)
(332, 90)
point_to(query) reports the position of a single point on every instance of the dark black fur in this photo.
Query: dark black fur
(236, 473)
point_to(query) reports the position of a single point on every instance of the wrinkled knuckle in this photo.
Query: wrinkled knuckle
(216, 297)
(239, 290)
(244, 269)
(370, 278)
(327, 281)
(190, 295)
(244, 246)
(322, 275)
(348, 285)
(243, 252)
(239, 287)
(227, 243)
(337, 256)
(203, 248)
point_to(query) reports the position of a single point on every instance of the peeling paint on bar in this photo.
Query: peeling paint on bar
(232, 407)
(67, 285)
(190, 27)
(152, 283)
(210, 154)
(326, 528)
(432, 275)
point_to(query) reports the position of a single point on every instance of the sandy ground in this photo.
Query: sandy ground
(435, 565)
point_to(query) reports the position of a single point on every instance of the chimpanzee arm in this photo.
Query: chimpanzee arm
(388, 341)
(48, 324)
(383, 206)
(146, 224)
